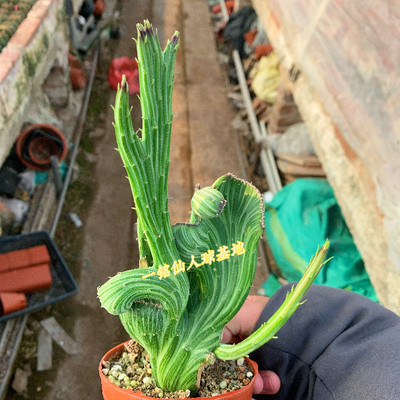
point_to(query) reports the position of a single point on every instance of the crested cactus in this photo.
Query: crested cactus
(193, 277)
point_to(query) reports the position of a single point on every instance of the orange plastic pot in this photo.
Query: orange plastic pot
(113, 392)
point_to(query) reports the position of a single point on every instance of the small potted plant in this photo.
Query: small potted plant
(192, 277)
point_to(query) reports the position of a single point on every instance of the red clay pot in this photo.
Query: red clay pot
(250, 36)
(99, 7)
(12, 302)
(77, 77)
(113, 392)
(262, 50)
(230, 5)
(35, 150)
(24, 258)
(26, 280)
(74, 61)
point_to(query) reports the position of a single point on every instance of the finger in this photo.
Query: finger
(258, 384)
(227, 336)
(267, 382)
(244, 322)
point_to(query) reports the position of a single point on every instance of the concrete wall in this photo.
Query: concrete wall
(344, 67)
(40, 43)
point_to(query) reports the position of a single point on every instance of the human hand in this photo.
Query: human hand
(241, 326)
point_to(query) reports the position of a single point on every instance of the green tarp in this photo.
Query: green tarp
(298, 220)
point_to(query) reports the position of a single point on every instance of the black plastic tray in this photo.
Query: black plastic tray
(63, 284)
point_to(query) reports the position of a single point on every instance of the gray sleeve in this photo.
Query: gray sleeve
(337, 345)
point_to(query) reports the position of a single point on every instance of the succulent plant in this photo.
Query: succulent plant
(193, 277)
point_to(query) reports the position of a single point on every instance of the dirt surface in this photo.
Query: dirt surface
(203, 148)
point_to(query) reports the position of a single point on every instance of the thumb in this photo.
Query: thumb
(227, 335)
(267, 382)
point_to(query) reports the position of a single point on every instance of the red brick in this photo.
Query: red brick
(11, 54)
(13, 260)
(24, 258)
(12, 302)
(25, 32)
(38, 255)
(39, 10)
(26, 280)
(5, 67)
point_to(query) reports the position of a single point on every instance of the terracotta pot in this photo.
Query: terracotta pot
(250, 36)
(26, 280)
(37, 143)
(113, 392)
(77, 77)
(262, 50)
(229, 4)
(99, 7)
(12, 302)
(73, 61)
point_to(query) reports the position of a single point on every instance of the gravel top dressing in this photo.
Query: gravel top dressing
(132, 370)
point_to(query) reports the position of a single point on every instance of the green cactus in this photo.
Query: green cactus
(206, 203)
(193, 277)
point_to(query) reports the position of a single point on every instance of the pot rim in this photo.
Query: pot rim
(119, 348)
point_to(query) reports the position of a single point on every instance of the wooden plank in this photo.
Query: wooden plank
(59, 335)
(11, 336)
(299, 170)
(45, 351)
(302, 160)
